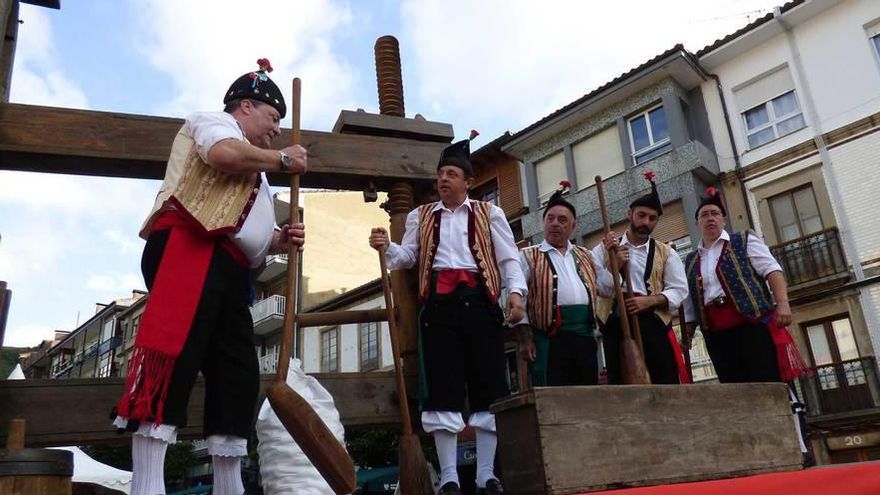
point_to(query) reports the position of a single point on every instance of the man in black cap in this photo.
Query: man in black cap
(563, 284)
(658, 283)
(465, 254)
(212, 222)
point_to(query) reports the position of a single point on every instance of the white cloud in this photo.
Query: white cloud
(114, 284)
(37, 80)
(515, 61)
(204, 51)
(27, 335)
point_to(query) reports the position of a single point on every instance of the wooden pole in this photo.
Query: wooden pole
(632, 362)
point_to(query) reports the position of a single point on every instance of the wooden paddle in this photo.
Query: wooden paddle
(414, 476)
(299, 418)
(632, 362)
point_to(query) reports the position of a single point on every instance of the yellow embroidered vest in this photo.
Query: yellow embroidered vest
(605, 305)
(218, 201)
(479, 242)
(541, 297)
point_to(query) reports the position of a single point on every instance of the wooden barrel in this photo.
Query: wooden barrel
(35, 472)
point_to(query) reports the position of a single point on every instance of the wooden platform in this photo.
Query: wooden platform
(565, 440)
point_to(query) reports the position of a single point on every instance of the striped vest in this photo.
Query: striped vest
(653, 281)
(541, 299)
(741, 283)
(479, 242)
(218, 201)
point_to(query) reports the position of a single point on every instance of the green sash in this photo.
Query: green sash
(575, 319)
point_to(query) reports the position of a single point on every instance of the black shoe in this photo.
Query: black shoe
(493, 487)
(449, 488)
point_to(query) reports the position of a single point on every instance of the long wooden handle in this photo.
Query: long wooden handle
(615, 268)
(633, 319)
(293, 251)
(395, 347)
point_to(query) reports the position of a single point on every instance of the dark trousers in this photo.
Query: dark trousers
(220, 344)
(572, 360)
(463, 353)
(743, 354)
(659, 355)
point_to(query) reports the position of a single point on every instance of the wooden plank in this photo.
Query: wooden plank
(76, 411)
(326, 318)
(607, 437)
(82, 142)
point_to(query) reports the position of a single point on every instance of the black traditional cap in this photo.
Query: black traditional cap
(257, 86)
(712, 197)
(459, 155)
(652, 199)
(557, 200)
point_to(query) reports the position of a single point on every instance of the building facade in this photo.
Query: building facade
(800, 97)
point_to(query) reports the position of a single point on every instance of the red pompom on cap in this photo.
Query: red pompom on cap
(565, 183)
(264, 64)
(649, 176)
(474, 134)
(711, 191)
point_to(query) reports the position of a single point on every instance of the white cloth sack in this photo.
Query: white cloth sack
(284, 468)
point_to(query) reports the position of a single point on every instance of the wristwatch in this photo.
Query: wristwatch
(285, 161)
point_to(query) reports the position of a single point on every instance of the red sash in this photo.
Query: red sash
(683, 376)
(448, 280)
(169, 314)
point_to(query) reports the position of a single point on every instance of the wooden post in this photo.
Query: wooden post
(15, 438)
(403, 282)
(9, 28)
(5, 301)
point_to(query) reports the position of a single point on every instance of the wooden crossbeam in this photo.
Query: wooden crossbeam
(76, 411)
(82, 142)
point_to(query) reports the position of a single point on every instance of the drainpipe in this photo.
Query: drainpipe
(847, 237)
(736, 161)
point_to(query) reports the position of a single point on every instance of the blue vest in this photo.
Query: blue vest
(747, 289)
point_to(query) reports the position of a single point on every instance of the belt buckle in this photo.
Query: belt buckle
(718, 301)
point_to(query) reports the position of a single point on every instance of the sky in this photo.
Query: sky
(70, 242)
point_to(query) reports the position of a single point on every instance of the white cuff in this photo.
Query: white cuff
(166, 433)
(442, 420)
(227, 445)
(483, 420)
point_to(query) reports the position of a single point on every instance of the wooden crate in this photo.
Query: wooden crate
(564, 440)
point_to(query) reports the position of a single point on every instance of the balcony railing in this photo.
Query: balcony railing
(841, 387)
(107, 345)
(268, 314)
(276, 265)
(812, 258)
(269, 361)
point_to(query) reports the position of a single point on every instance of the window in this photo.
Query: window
(550, 172)
(875, 40)
(795, 214)
(773, 119)
(107, 330)
(487, 192)
(105, 364)
(599, 154)
(649, 135)
(135, 324)
(368, 346)
(330, 350)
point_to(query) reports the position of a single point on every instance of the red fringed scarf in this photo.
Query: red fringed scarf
(788, 357)
(168, 316)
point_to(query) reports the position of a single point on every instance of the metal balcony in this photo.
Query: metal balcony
(268, 314)
(812, 260)
(842, 387)
(276, 266)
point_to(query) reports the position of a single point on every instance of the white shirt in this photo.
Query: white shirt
(453, 251)
(570, 287)
(255, 236)
(759, 256)
(675, 286)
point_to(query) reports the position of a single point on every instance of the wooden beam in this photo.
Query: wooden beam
(82, 142)
(9, 32)
(76, 411)
(326, 318)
